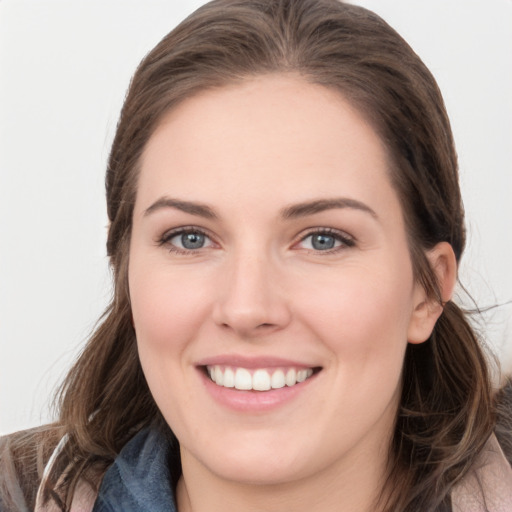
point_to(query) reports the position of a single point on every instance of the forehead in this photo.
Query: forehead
(278, 135)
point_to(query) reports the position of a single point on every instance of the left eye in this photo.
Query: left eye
(324, 241)
(190, 240)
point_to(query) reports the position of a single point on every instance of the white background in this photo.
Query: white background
(64, 69)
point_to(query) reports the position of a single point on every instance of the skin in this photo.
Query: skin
(258, 287)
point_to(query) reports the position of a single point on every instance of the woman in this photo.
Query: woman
(286, 225)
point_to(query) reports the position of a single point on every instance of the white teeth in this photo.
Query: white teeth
(277, 380)
(301, 375)
(291, 377)
(229, 378)
(218, 376)
(259, 380)
(243, 379)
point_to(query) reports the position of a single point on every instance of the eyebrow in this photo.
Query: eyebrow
(290, 212)
(193, 208)
(321, 205)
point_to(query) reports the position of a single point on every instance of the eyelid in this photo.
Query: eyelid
(346, 239)
(168, 235)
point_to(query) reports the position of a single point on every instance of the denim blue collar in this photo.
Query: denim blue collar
(139, 480)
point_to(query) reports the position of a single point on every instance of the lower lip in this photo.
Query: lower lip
(254, 401)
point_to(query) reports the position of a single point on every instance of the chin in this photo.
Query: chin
(254, 463)
(271, 471)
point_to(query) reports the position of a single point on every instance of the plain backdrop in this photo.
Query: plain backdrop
(64, 69)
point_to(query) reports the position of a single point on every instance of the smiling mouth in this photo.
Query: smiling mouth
(258, 379)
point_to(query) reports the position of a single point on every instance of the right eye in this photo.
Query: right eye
(186, 240)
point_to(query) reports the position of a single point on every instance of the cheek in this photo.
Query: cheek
(167, 311)
(362, 315)
(363, 322)
(167, 308)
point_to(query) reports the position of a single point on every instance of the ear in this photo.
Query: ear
(427, 309)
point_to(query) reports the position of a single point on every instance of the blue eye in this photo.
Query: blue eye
(326, 241)
(186, 240)
(322, 242)
(191, 240)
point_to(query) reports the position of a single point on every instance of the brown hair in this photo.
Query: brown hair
(446, 412)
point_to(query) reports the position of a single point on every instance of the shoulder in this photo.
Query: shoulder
(488, 485)
(23, 456)
(25, 460)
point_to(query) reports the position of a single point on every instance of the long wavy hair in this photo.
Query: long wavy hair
(446, 409)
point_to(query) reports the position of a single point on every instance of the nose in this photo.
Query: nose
(252, 300)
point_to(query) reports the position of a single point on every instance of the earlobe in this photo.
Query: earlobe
(428, 309)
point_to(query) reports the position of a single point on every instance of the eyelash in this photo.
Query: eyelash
(169, 235)
(346, 241)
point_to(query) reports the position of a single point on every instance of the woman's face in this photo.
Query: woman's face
(269, 251)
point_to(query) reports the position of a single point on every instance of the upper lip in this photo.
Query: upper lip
(241, 361)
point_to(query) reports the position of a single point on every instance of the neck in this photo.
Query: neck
(353, 486)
